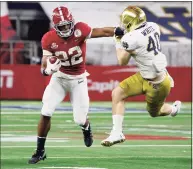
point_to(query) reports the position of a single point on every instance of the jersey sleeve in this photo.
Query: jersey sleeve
(128, 42)
(44, 42)
(46, 45)
(158, 29)
(85, 29)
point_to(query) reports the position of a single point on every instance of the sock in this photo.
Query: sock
(117, 123)
(86, 128)
(40, 143)
(174, 109)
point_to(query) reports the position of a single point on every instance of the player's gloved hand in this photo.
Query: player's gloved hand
(118, 33)
(52, 67)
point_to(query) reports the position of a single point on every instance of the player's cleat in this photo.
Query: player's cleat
(37, 156)
(176, 104)
(88, 137)
(114, 138)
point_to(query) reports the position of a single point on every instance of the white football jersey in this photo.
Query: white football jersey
(145, 41)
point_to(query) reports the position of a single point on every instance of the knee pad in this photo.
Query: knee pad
(47, 110)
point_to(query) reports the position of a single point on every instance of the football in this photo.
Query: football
(53, 59)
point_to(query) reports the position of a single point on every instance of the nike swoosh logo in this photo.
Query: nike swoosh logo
(80, 81)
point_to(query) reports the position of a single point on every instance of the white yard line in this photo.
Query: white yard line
(102, 157)
(74, 167)
(96, 146)
(11, 132)
(64, 112)
(30, 112)
(65, 168)
(18, 125)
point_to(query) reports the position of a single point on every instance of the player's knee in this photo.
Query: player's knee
(115, 94)
(45, 119)
(47, 111)
(118, 95)
(153, 112)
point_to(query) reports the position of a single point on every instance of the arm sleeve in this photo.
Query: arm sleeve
(45, 46)
(46, 53)
(45, 42)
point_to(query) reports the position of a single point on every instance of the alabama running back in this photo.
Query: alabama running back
(67, 42)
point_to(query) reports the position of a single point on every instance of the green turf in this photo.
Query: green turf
(65, 147)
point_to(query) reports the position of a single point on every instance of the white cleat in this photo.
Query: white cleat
(176, 104)
(114, 138)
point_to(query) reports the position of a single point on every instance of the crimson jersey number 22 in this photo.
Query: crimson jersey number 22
(74, 59)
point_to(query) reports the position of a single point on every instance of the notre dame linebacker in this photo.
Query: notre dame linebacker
(140, 40)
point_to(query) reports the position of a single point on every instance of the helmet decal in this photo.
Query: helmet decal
(61, 14)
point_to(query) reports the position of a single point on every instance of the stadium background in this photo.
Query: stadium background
(22, 25)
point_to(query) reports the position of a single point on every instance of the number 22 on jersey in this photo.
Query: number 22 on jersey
(72, 57)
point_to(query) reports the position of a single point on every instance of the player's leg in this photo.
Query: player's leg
(80, 103)
(131, 86)
(155, 97)
(53, 95)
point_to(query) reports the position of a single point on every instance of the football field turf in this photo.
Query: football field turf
(152, 143)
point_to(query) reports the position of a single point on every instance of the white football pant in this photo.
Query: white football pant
(56, 91)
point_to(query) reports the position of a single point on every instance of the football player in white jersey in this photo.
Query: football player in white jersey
(141, 40)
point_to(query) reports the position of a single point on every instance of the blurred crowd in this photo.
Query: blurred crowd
(20, 36)
(24, 23)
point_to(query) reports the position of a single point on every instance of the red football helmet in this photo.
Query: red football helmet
(63, 21)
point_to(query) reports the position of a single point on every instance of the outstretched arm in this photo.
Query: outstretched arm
(102, 32)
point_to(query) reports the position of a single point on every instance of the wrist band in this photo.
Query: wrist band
(43, 72)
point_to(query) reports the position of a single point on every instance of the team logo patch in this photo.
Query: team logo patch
(125, 45)
(54, 46)
(77, 33)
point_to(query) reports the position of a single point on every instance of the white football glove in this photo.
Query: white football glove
(52, 68)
